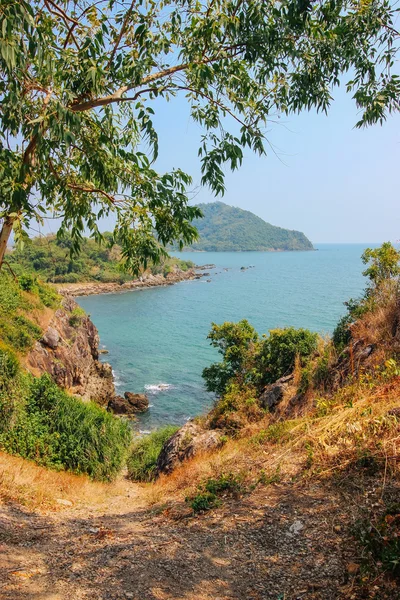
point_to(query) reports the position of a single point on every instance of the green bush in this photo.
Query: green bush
(76, 316)
(17, 331)
(380, 539)
(204, 501)
(210, 491)
(9, 366)
(61, 432)
(279, 351)
(237, 342)
(27, 282)
(142, 461)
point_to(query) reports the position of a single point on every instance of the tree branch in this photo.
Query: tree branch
(213, 101)
(62, 12)
(121, 33)
(90, 190)
(117, 96)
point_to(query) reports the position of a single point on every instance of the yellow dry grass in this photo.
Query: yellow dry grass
(36, 487)
(358, 424)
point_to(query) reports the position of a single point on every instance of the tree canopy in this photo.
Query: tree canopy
(78, 79)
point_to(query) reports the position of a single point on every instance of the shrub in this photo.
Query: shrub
(142, 461)
(237, 407)
(203, 501)
(279, 351)
(9, 366)
(237, 342)
(380, 539)
(210, 491)
(27, 282)
(61, 432)
(167, 269)
(76, 316)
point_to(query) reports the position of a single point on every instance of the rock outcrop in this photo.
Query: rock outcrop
(188, 441)
(148, 280)
(129, 404)
(68, 351)
(273, 393)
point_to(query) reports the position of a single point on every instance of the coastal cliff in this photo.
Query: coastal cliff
(68, 351)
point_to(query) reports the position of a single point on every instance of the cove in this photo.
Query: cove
(157, 337)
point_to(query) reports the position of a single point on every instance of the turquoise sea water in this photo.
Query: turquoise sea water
(158, 335)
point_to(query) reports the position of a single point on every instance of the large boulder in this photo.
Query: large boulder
(139, 402)
(129, 404)
(51, 338)
(273, 393)
(188, 441)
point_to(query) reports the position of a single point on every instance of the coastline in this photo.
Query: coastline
(89, 288)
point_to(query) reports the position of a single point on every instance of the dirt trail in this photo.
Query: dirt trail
(285, 541)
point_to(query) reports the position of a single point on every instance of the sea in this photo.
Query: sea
(157, 337)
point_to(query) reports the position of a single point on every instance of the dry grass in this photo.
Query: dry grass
(379, 325)
(348, 432)
(35, 487)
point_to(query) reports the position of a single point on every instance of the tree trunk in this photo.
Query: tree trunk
(5, 236)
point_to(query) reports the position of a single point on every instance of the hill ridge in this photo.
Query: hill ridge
(230, 228)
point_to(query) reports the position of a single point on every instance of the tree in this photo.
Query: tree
(238, 343)
(279, 350)
(78, 78)
(383, 263)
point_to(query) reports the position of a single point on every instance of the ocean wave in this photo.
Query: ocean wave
(158, 387)
(117, 380)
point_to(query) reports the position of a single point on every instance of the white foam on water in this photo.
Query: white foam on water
(117, 380)
(157, 388)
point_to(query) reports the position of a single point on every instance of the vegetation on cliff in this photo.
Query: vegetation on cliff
(50, 258)
(41, 422)
(21, 301)
(227, 228)
(38, 420)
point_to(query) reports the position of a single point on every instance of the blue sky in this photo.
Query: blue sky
(323, 177)
(326, 178)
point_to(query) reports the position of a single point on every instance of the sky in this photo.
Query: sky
(321, 176)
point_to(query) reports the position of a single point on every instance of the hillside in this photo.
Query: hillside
(49, 257)
(227, 228)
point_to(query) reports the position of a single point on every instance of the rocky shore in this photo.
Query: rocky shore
(148, 280)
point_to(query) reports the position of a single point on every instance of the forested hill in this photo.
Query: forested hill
(226, 228)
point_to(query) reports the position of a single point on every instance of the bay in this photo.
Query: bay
(157, 337)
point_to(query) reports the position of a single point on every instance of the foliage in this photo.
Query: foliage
(237, 342)
(279, 350)
(78, 80)
(383, 263)
(41, 422)
(210, 491)
(380, 539)
(9, 366)
(17, 329)
(237, 407)
(383, 269)
(142, 461)
(226, 228)
(49, 257)
(76, 317)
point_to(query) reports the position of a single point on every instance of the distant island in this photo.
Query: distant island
(227, 228)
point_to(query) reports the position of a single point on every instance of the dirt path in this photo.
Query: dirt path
(280, 542)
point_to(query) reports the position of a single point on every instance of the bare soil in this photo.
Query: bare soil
(284, 541)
